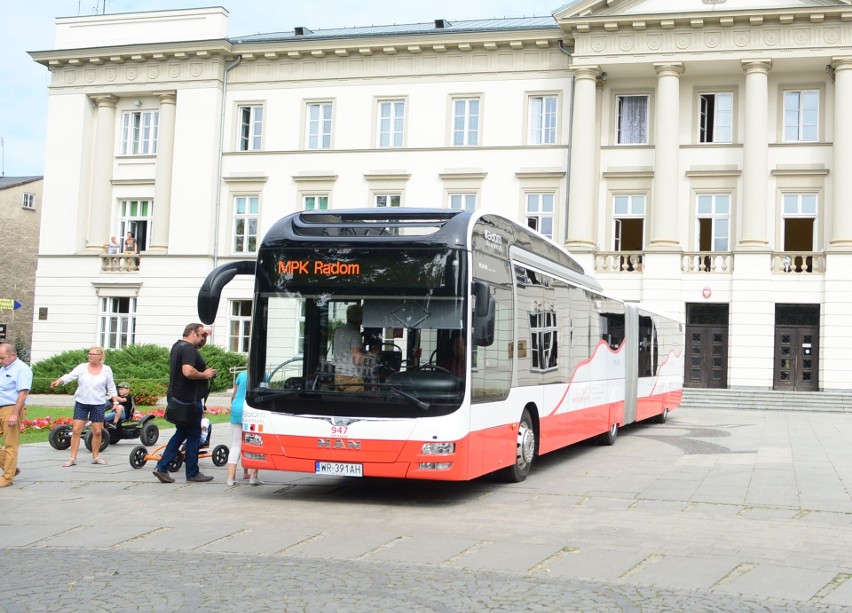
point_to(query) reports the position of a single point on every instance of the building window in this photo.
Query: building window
(136, 216)
(139, 132)
(388, 200)
(29, 201)
(801, 115)
(716, 114)
(714, 219)
(463, 202)
(246, 213)
(315, 202)
(465, 122)
(628, 213)
(319, 125)
(117, 322)
(251, 128)
(800, 213)
(239, 326)
(632, 120)
(391, 123)
(540, 213)
(543, 115)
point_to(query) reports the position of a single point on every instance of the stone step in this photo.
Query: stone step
(767, 399)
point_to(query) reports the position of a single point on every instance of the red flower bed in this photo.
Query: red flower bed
(46, 423)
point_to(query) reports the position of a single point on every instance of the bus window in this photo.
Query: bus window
(493, 376)
(648, 350)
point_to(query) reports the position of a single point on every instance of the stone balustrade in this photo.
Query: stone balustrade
(619, 261)
(707, 261)
(119, 262)
(798, 262)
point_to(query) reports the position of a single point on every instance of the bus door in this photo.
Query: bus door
(631, 362)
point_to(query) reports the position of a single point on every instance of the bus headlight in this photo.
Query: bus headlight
(255, 456)
(250, 438)
(438, 448)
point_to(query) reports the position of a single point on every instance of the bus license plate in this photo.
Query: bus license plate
(340, 469)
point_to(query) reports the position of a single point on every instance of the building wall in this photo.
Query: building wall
(673, 52)
(193, 189)
(756, 55)
(19, 232)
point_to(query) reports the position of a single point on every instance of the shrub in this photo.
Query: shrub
(145, 367)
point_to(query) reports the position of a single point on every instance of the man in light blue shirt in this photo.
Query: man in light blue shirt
(16, 378)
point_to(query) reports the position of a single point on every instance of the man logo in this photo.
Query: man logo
(327, 443)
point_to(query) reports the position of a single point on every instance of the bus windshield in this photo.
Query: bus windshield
(368, 333)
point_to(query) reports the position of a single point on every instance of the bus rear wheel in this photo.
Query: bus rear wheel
(525, 451)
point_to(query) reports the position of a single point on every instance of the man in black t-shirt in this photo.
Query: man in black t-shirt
(188, 377)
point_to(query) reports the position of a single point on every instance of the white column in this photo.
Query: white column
(666, 154)
(754, 205)
(841, 168)
(583, 178)
(100, 206)
(163, 183)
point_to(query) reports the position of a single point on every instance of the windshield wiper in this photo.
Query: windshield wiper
(412, 399)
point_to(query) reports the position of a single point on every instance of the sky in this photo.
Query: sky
(28, 25)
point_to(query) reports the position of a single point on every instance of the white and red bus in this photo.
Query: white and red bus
(485, 345)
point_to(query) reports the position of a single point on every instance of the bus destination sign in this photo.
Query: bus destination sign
(317, 268)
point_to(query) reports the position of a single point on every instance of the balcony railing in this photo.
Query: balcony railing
(707, 261)
(619, 261)
(119, 262)
(798, 262)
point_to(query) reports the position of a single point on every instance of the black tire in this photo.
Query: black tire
(608, 437)
(526, 450)
(220, 455)
(104, 440)
(150, 434)
(60, 437)
(137, 456)
(662, 417)
(175, 464)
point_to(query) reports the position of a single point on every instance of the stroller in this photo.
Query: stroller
(140, 456)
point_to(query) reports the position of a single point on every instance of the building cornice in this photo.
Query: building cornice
(412, 44)
(587, 24)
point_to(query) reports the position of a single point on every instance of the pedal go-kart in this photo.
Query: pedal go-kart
(144, 429)
(140, 456)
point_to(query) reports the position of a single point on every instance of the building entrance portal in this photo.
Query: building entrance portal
(796, 348)
(706, 361)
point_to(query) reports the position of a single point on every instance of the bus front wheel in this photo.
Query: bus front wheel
(525, 453)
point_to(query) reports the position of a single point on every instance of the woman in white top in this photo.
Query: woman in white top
(94, 384)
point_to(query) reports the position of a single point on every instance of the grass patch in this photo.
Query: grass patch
(216, 415)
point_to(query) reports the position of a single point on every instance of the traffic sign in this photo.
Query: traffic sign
(7, 304)
(2, 332)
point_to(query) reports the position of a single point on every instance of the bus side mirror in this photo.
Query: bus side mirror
(484, 314)
(481, 294)
(211, 289)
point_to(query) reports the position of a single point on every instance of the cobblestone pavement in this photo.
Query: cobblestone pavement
(95, 580)
(716, 510)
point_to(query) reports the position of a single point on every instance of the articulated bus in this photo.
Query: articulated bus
(484, 345)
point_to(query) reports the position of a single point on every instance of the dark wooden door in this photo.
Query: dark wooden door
(796, 358)
(707, 356)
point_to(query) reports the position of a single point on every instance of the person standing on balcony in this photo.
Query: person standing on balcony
(130, 245)
(112, 247)
(15, 381)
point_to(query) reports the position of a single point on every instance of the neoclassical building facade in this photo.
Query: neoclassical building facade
(690, 154)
